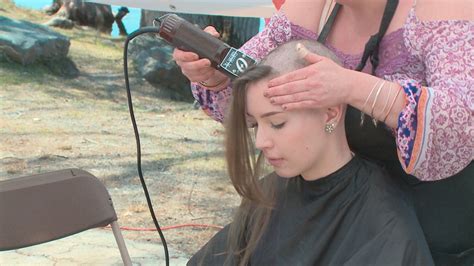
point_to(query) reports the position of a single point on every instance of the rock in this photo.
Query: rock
(60, 22)
(25, 42)
(90, 14)
(63, 67)
(153, 60)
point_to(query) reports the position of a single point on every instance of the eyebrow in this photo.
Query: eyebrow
(267, 114)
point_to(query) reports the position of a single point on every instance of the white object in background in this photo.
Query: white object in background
(238, 8)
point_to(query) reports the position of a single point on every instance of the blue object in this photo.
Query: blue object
(131, 21)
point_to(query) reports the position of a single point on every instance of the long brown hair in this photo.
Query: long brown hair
(245, 169)
(244, 165)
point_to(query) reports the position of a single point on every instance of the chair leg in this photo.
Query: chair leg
(121, 244)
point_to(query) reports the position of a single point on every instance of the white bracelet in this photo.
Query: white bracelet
(375, 101)
(362, 114)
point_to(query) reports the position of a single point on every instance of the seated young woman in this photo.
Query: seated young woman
(323, 205)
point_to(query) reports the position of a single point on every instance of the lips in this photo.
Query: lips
(275, 162)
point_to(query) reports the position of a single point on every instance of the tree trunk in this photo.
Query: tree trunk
(87, 14)
(54, 7)
(123, 11)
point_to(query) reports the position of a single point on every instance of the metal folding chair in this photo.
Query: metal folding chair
(40, 208)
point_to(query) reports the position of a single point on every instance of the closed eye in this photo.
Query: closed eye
(278, 126)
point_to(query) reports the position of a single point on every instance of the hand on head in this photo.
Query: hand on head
(322, 83)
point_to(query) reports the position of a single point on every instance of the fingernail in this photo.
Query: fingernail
(301, 50)
(272, 100)
(284, 107)
(265, 94)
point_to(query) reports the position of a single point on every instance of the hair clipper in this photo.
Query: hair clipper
(188, 37)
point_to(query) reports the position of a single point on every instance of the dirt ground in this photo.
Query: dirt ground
(50, 123)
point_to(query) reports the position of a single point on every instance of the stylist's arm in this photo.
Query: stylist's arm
(324, 83)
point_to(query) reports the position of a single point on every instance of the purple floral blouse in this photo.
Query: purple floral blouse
(434, 63)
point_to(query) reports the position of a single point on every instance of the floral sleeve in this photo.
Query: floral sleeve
(435, 131)
(277, 31)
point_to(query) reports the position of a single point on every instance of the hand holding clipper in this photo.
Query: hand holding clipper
(188, 37)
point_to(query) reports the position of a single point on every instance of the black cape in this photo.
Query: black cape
(355, 216)
(445, 208)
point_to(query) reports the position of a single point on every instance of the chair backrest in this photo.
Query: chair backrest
(44, 207)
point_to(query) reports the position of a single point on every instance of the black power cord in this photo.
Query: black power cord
(137, 136)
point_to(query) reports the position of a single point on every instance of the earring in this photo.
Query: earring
(329, 128)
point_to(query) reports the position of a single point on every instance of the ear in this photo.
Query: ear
(335, 114)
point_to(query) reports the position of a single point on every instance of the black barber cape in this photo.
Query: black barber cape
(355, 216)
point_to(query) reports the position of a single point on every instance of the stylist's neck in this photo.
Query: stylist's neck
(364, 7)
(335, 157)
(372, 10)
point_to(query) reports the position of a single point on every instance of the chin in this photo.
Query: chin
(285, 173)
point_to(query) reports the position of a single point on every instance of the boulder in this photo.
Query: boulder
(26, 43)
(63, 67)
(85, 13)
(153, 60)
(60, 22)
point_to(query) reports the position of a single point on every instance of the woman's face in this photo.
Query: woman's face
(293, 142)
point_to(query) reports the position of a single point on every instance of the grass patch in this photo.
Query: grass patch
(87, 45)
(9, 9)
(15, 74)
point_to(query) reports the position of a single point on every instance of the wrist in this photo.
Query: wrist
(217, 82)
(349, 92)
(358, 87)
(218, 85)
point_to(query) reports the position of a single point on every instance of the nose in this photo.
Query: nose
(262, 139)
